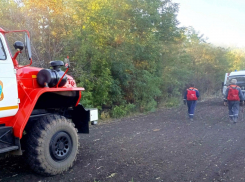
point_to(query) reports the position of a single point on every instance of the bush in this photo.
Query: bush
(105, 115)
(172, 102)
(123, 110)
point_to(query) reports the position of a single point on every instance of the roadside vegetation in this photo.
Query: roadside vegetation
(130, 55)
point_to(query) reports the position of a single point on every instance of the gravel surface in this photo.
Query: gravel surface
(160, 146)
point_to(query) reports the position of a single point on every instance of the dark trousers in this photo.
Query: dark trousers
(191, 104)
(233, 107)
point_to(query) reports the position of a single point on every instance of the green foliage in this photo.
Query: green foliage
(172, 102)
(122, 110)
(128, 55)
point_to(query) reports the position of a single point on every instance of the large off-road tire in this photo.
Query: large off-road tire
(51, 145)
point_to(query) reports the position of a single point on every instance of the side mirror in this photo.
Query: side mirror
(67, 62)
(222, 84)
(19, 45)
(28, 45)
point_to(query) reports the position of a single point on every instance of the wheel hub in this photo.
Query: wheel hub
(60, 146)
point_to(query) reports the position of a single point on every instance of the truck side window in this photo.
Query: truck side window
(2, 52)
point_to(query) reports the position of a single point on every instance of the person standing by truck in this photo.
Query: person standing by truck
(190, 98)
(233, 96)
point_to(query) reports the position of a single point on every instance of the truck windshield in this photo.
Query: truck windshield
(2, 52)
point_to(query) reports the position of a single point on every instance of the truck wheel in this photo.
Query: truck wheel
(51, 145)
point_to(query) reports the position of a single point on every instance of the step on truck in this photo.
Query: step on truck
(40, 113)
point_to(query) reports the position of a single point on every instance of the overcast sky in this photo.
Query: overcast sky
(221, 21)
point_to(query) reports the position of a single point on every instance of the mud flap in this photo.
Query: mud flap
(80, 118)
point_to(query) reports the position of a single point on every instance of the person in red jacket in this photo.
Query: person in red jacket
(233, 96)
(190, 98)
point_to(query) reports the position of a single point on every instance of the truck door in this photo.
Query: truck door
(8, 82)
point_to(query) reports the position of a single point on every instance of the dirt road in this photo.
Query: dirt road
(161, 146)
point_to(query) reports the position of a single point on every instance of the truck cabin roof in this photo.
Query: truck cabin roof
(237, 73)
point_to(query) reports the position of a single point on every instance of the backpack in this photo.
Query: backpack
(233, 94)
(191, 94)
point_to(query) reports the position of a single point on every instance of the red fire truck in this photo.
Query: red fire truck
(40, 113)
